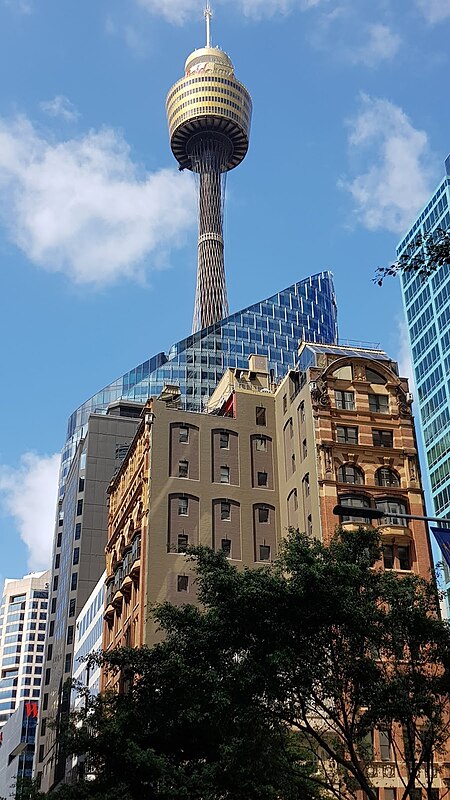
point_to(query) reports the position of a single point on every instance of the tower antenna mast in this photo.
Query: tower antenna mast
(208, 16)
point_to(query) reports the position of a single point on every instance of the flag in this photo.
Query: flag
(442, 536)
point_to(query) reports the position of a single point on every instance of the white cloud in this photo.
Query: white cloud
(23, 6)
(84, 208)
(434, 10)
(382, 45)
(60, 106)
(29, 495)
(400, 169)
(177, 11)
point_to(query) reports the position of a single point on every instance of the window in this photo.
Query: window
(184, 435)
(51, 627)
(224, 441)
(53, 605)
(302, 411)
(45, 702)
(59, 539)
(284, 403)
(79, 507)
(264, 552)
(49, 652)
(47, 676)
(386, 477)
(382, 438)
(304, 448)
(183, 541)
(306, 487)
(379, 403)
(182, 583)
(226, 547)
(404, 557)
(349, 473)
(55, 583)
(262, 478)
(263, 514)
(76, 555)
(309, 525)
(224, 475)
(344, 400)
(183, 469)
(260, 416)
(388, 556)
(68, 662)
(346, 435)
(225, 510)
(81, 485)
(355, 501)
(261, 444)
(70, 634)
(385, 746)
(74, 581)
(389, 794)
(374, 377)
(183, 506)
(391, 508)
(78, 531)
(57, 560)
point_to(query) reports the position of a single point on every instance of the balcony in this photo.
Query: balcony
(397, 533)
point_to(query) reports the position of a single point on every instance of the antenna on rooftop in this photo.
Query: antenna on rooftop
(208, 17)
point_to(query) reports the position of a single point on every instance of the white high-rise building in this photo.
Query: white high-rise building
(23, 622)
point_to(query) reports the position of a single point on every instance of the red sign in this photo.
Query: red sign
(31, 710)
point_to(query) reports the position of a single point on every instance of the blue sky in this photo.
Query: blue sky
(97, 227)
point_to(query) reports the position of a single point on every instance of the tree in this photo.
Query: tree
(273, 687)
(425, 254)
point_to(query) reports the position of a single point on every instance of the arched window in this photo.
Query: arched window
(349, 473)
(374, 377)
(354, 501)
(391, 507)
(386, 477)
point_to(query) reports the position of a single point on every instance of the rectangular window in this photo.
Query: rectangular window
(226, 547)
(385, 746)
(263, 514)
(404, 557)
(306, 488)
(184, 435)
(182, 583)
(302, 411)
(57, 560)
(74, 581)
(47, 676)
(55, 583)
(81, 485)
(379, 403)
(70, 634)
(49, 652)
(261, 444)
(45, 702)
(68, 662)
(284, 403)
(346, 435)
(260, 416)
(78, 530)
(224, 441)
(183, 506)
(183, 469)
(59, 539)
(79, 507)
(225, 510)
(53, 605)
(76, 555)
(51, 628)
(264, 552)
(388, 556)
(262, 478)
(224, 475)
(183, 541)
(344, 400)
(304, 448)
(382, 438)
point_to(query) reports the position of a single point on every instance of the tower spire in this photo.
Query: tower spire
(208, 17)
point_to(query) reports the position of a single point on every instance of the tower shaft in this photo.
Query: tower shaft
(208, 158)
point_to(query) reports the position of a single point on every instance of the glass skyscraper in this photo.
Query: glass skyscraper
(427, 308)
(272, 328)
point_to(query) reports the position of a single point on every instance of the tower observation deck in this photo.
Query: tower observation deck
(209, 115)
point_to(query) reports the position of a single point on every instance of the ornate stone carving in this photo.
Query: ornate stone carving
(319, 395)
(412, 468)
(404, 402)
(359, 372)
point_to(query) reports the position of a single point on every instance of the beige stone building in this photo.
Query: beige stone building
(261, 458)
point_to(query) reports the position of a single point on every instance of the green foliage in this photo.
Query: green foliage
(425, 254)
(271, 689)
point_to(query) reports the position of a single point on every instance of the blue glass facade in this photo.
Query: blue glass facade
(272, 328)
(427, 309)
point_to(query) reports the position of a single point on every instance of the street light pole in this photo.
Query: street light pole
(377, 513)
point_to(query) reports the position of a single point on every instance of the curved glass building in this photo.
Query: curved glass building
(272, 328)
